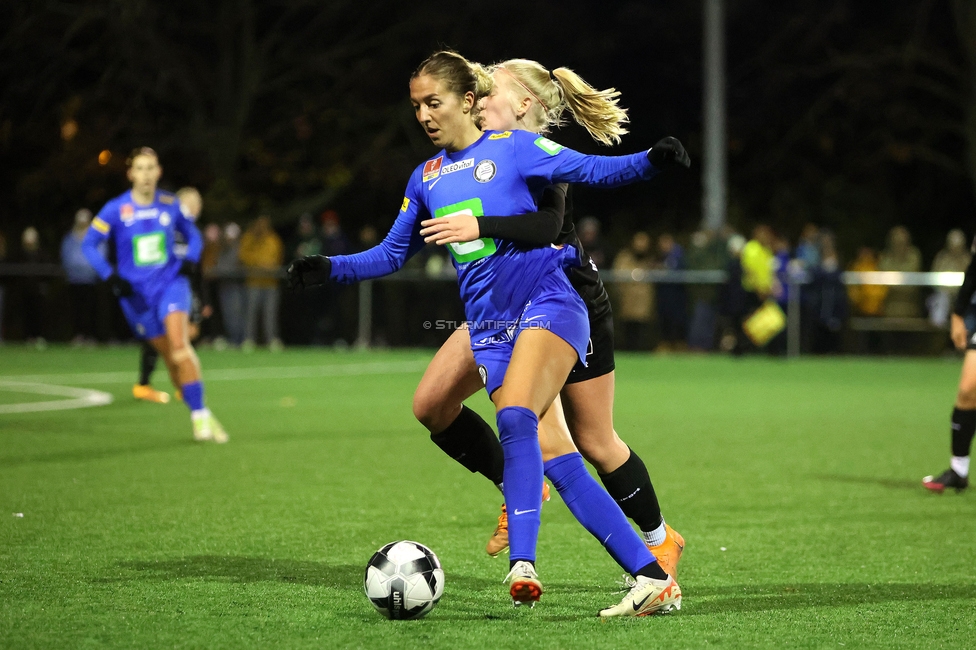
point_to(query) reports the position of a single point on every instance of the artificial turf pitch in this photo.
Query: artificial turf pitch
(795, 484)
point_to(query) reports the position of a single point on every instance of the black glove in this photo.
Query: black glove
(669, 152)
(120, 286)
(188, 268)
(309, 271)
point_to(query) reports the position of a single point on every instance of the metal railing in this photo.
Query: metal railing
(795, 284)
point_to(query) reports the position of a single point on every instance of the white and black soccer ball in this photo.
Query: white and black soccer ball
(404, 580)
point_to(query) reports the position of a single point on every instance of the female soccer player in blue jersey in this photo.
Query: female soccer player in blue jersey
(527, 325)
(150, 280)
(527, 96)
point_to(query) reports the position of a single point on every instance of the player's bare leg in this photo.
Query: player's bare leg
(181, 357)
(963, 429)
(589, 413)
(451, 377)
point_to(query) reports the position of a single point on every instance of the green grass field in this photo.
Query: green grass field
(795, 484)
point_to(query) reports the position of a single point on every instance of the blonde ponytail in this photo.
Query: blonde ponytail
(597, 111)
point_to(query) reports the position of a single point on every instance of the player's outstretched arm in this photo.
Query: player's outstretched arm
(539, 157)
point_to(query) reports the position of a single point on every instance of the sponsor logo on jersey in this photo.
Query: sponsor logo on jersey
(100, 226)
(406, 204)
(548, 146)
(467, 163)
(164, 219)
(432, 168)
(167, 199)
(127, 212)
(485, 171)
(500, 136)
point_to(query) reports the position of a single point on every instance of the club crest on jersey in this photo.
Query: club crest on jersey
(164, 219)
(432, 168)
(127, 213)
(485, 171)
(467, 163)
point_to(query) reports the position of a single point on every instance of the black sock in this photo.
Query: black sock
(511, 563)
(652, 570)
(147, 363)
(472, 442)
(963, 429)
(631, 488)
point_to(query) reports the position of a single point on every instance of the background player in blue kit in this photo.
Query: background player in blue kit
(527, 325)
(191, 205)
(150, 280)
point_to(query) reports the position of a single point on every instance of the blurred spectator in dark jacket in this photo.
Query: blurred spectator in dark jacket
(901, 255)
(826, 299)
(588, 229)
(732, 295)
(81, 280)
(635, 301)
(306, 240)
(808, 248)
(334, 241)
(231, 292)
(707, 253)
(672, 300)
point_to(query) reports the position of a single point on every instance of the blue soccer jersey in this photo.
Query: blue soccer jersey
(144, 238)
(503, 173)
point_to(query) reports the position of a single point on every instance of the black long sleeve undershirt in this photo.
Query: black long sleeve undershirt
(541, 227)
(966, 291)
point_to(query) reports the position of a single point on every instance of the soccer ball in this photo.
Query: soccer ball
(404, 580)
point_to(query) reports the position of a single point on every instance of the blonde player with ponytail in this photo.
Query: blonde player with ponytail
(527, 96)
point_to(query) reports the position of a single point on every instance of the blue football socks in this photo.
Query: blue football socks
(518, 430)
(193, 395)
(597, 511)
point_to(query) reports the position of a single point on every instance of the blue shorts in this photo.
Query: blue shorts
(146, 315)
(556, 307)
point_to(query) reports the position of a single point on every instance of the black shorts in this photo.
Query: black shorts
(599, 352)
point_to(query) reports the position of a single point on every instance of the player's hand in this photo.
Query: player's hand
(448, 230)
(188, 268)
(957, 330)
(120, 286)
(309, 271)
(669, 152)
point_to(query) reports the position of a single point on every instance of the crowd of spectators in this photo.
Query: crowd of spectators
(242, 301)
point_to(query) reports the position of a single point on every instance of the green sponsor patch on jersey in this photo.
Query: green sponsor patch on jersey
(548, 146)
(472, 250)
(150, 249)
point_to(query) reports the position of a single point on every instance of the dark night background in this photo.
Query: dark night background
(856, 115)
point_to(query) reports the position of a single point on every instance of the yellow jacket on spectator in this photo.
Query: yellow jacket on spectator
(757, 268)
(261, 250)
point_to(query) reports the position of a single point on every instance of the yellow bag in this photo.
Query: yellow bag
(765, 323)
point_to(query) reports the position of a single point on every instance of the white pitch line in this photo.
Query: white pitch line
(237, 374)
(80, 397)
